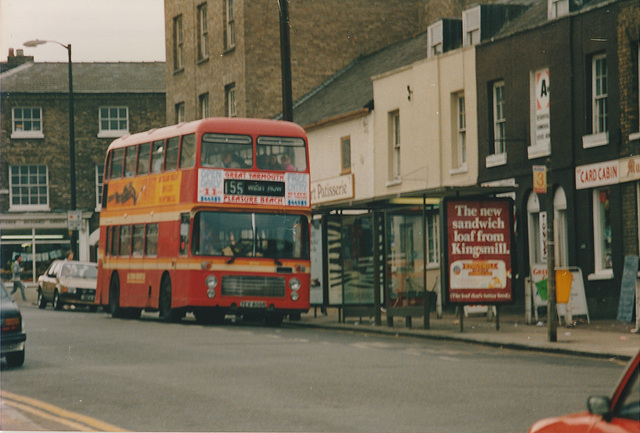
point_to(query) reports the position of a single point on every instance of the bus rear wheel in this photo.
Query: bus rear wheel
(167, 314)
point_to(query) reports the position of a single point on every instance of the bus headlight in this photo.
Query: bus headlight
(295, 296)
(212, 283)
(294, 284)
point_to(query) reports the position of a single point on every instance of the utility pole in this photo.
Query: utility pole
(552, 312)
(285, 56)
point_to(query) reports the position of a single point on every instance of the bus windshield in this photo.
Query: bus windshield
(233, 234)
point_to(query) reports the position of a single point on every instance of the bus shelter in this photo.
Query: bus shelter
(383, 256)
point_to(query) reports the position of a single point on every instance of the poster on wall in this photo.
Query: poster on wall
(479, 237)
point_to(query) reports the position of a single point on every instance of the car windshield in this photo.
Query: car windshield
(251, 235)
(79, 270)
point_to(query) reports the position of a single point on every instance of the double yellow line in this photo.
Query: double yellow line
(55, 414)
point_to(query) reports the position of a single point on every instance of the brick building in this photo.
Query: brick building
(586, 127)
(223, 56)
(111, 100)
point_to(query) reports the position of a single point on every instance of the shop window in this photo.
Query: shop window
(603, 258)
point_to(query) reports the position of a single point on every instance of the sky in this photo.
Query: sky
(98, 30)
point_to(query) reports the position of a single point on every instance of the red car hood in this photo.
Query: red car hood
(578, 422)
(584, 422)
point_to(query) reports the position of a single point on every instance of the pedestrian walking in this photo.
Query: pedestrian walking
(17, 274)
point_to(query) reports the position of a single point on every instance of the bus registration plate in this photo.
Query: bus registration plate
(253, 304)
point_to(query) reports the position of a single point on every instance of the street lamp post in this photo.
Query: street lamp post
(72, 140)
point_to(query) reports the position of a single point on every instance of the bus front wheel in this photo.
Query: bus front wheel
(167, 314)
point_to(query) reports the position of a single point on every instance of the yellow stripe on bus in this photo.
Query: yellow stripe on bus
(150, 265)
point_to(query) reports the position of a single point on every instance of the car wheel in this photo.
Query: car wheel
(57, 304)
(167, 314)
(15, 359)
(42, 303)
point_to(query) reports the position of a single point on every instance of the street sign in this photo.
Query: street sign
(539, 179)
(74, 219)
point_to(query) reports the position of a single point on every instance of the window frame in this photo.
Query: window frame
(599, 105)
(471, 19)
(203, 105)
(178, 44)
(395, 168)
(29, 187)
(345, 155)
(230, 31)
(230, 100)
(99, 172)
(31, 133)
(498, 148)
(180, 112)
(460, 151)
(109, 132)
(203, 34)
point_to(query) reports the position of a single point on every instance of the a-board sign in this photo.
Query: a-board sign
(577, 299)
(479, 238)
(628, 289)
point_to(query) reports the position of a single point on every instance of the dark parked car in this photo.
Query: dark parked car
(68, 282)
(13, 336)
(619, 413)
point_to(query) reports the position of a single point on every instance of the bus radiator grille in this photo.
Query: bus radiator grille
(271, 287)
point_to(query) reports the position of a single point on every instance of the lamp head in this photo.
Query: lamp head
(34, 43)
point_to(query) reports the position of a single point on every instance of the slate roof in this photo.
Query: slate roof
(147, 77)
(351, 88)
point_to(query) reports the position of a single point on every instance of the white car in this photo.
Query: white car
(68, 282)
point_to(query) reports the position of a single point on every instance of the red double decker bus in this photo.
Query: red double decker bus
(210, 217)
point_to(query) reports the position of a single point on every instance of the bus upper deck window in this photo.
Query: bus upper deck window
(117, 163)
(171, 162)
(143, 158)
(281, 153)
(157, 156)
(188, 151)
(130, 156)
(226, 151)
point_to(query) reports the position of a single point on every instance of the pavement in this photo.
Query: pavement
(596, 338)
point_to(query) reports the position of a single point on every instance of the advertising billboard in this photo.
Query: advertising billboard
(479, 237)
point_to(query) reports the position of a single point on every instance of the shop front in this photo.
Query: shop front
(38, 238)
